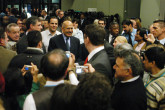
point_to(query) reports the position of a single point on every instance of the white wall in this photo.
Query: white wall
(109, 7)
(149, 12)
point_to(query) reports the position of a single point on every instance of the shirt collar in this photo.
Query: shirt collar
(34, 48)
(53, 83)
(131, 80)
(65, 37)
(158, 74)
(94, 52)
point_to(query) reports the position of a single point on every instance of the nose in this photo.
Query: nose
(114, 67)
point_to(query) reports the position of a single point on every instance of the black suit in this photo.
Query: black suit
(30, 55)
(102, 64)
(58, 42)
(113, 38)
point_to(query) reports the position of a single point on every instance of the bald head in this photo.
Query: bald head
(67, 28)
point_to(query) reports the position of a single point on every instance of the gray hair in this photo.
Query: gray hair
(10, 25)
(132, 60)
(123, 46)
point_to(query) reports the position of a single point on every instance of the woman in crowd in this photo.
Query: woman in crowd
(119, 40)
(76, 32)
(142, 42)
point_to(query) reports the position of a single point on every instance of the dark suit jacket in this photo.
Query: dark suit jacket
(25, 58)
(12, 19)
(42, 98)
(58, 42)
(107, 38)
(102, 64)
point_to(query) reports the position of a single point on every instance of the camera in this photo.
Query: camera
(67, 53)
(28, 67)
(79, 69)
(142, 53)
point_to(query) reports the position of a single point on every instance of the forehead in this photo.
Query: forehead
(120, 61)
(38, 22)
(14, 28)
(124, 25)
(53, 20)
(156, 25)
(115, 26)
(61, 12)
(68, 24)
(101, 21)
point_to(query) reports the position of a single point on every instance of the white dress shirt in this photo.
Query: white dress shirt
(110, 38)
(29, 103)
(46, 36)
(162, 41)
(78, 34)
(131, 80)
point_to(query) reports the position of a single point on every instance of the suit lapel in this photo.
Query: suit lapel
(71, 44)
(62, 43)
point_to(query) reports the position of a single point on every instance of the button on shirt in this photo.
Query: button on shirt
(46, 36)
(132, 36)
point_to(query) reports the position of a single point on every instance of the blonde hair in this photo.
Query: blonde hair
(121, 39)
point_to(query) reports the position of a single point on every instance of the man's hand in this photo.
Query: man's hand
(90, 69)
(71, 61)
(34, 70)
(149, 38)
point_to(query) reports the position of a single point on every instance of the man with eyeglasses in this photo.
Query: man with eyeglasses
(66, 41)
(129, 92)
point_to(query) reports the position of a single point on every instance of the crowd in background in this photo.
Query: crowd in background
(80, 60)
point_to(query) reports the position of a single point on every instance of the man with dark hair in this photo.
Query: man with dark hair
(92, 93)
(5, 54)
(102, 22)
(34, 53)
(94, 42)
(53, 66)
(32, 23)
(129, 92)
(13, 13)
(51, 32)
(60, 17)
(113, 32)
(66, 41)
(129, 32)
(154, 62)
(159, 30)
(44, 14)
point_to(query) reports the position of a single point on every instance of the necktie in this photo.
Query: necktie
(67, 44)
(129, 39)
(86, 60)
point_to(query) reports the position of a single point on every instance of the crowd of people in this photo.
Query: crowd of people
(71, 61)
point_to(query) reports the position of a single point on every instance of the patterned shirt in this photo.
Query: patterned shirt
(155, 90)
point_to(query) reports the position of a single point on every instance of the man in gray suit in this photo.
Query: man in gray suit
(94, 42)
(5, 54)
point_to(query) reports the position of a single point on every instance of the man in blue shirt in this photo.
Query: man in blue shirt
(129, 32)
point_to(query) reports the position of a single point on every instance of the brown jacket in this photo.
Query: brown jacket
(5, 58)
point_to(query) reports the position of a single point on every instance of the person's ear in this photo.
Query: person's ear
(40, 44)
(31, 26)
